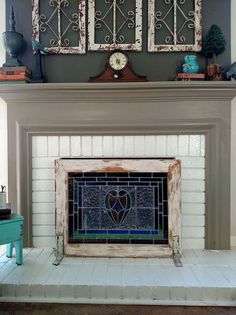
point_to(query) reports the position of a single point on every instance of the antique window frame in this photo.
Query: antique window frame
(197, 46)
(93, 46)
(81, 49)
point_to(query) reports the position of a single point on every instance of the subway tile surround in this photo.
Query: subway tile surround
(190, 149)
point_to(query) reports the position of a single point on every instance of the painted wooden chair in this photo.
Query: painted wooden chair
(11, 234)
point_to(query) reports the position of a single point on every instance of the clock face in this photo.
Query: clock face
(118, 60)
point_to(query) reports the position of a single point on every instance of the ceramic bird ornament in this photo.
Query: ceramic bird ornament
(231, 74)
(39, 47)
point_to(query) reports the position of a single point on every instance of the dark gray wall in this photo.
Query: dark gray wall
(157, 66)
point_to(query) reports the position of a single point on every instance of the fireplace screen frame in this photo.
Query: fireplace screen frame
(170, 166)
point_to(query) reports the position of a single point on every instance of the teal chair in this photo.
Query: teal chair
(11, 234)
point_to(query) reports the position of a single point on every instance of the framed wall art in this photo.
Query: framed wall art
(174, 25)
(59, 25)
(114, 24)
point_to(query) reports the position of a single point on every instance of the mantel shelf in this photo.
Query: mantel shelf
(116, 92)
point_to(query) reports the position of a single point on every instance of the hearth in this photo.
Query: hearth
(113, 207)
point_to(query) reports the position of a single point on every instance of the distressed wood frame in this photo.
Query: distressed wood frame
(172, 167)
(81, 49)
(93, 46)
(197, 46)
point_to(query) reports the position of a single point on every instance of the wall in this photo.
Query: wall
(157, 66)
(233, 31)
(2, 29)
(3, 108)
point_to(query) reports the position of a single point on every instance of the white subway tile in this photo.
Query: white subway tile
(183, 145)
(43, 162)
(203, 145)
(97, 146)
(193, 197)
(75, 142)
(193, 208)
(193, 176)
(194, 145)
(172, 146)
(64, 146)
(150, 146)
(53, 146)
(43, 230)
(43, 185)
(40, 146)
(191, 243)
(193, 185)
(44, 207)
(107, 146)
(42, 196)
(128, 146)
(161, 146)
(193, 232)
(86, 146)
(118, 146)
(193, 173)
(139, 146)
(44, 241)
(193, 220)
(192, 162)
(47, 173)
(34, 146)
(44, 219)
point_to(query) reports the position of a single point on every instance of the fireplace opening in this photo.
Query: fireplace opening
(118, 207)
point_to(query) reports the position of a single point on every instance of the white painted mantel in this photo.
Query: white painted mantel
(138, 109)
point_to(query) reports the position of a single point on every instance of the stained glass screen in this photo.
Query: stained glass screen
(127, 207)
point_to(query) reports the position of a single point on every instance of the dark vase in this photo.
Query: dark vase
(13, 43)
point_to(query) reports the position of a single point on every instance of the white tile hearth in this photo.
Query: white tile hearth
(206, 278)
(190, 149)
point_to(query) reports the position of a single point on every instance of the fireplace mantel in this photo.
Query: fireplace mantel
(116, 92)
(124, 109)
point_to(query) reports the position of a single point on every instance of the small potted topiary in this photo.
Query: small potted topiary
(213, 45)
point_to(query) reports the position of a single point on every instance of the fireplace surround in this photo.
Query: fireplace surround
(123, 109)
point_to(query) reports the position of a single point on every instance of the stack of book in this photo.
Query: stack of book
(190, 76)
(5, 214)
(19, 74)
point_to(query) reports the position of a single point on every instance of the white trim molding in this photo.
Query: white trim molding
(2, 29)
(233, 31)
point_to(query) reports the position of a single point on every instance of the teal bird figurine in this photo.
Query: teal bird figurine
(190, 65)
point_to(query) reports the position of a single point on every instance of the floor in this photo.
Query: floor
(206, 278)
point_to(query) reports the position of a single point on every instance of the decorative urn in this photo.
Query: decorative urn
(13, 43)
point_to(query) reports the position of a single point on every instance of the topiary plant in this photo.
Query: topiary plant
(214, 43)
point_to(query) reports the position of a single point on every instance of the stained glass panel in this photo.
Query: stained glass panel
(113, 207)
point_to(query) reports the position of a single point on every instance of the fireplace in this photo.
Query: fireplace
(125, 202)
(56, 114)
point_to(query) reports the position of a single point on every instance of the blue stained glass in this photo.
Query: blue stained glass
(108, 211)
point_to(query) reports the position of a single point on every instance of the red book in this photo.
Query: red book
(190, 76)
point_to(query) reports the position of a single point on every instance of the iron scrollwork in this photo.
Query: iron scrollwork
(168, 23)
(115, 18)
(59, 24)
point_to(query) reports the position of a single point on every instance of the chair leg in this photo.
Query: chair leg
(9, 249)
(19, 251)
